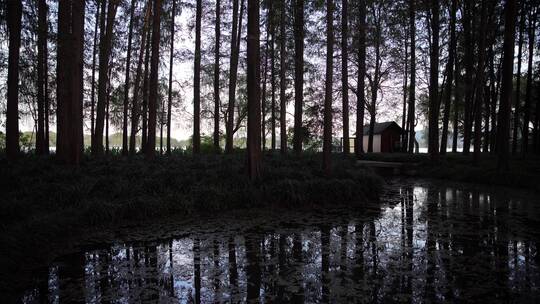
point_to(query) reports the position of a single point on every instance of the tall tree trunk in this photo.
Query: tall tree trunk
(376, 79)
(126, 85)
(41, 76)
(46, 90)
(216, 77)
(360, 89)
(404, 123)
(412, 89)
(457, 102)
(345, 76)
(171, 63)
(135, 111)
(273, 79)
(282, 83)
(434, 83)
(233, 74)
(265, 73)
(70, 81)
(107, 112)
(528, 92)
(327, 133)
(517, 100)
(154, 66)
(503, 125)
(469, 71)
(197, 82)
(104, 55)
(93, 88)
(298, 74)
(253, 91)
(450, 72)
(146, 93)
(14, 15)
(480, 86)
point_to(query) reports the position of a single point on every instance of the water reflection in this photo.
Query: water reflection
(428, 243)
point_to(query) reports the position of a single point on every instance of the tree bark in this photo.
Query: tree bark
(503, 125)
(265, 73)
(434, 83)
(273, 79)
(404, 123)
(282, 82)
(528, 92)
(126, 85)
(517, 100)
(93, 88)
(104, 56)
(298, 74)
(480, 86)
(14, 15)
(41, 76)
(253, 91)
(171, 63)
(146, 91)
(412, 89)
(469, 71)
(457, 102)
(360, 90)
(197, 82)
(327, 132)
(450, 72)
(345, 76)
(154, 61)
(216, 77)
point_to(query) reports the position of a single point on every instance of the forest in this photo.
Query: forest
(116, 112)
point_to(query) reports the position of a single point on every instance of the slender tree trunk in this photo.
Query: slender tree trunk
(450, 72)
(197, 82)
(171, 63)
(493, 99)
(154, 62)
(135, 111)
(104, 55)
(146, 93)
(216, 77)
(480, 86)
(517, 100)
(273, 80)
(126, 85)
(327, 133)
(469, 70)
(457, 102)
(404, 124)
(345, 76)
(265, 73)
(298, 74)
(46, 90)
(375, 81)
(528, 92)
(253, 91)
(434, 83)
(412, 89)
(503, 125)
(360, 90)
(93, 88)
(107, 108)
(282, 83)
(41, 77)
(14, 15)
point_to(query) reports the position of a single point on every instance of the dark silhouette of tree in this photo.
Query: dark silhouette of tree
(503, 124)
(345, 75)
(360, 89)
(146, 91)
(528, 92)
(450, 74)
(282, 81)
(272, 76)
(41, 146)
(197, 82)
(14, 14)
(99, 11)
(253, 91)
(171, 64)
(327, 135)
(154, 62)
(126, 85)
(517, 100)
(468, 26)
(216, 76)
(298, 74)
(433, 144)
(412, 88)
(480, 87)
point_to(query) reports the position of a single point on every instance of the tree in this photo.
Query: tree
(253, 91)
(450, 74)
(528, 92)
(468, 27)
(434, 83)
(345, 76)
(105, 42)
(298, 74)
(517, 100)
(327, 133)
(70, 81)
(412, 88)
(152, 101)
(360, 90)
(41, 146)
(126, 85)
(14, 15)
(503, 124)
(216, 77)
(93, 81)
(480, 86)
(282, 84)
(197, 82)
(146, 91)
(171, 63)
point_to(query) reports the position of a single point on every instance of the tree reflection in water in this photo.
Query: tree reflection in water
(427, 243)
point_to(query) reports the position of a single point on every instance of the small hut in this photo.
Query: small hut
(386, 138)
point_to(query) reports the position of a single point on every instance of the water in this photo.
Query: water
(429, 242)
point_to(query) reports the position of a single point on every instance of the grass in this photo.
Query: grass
(43, 201)
(524, 172)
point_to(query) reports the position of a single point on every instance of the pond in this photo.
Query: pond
(429, 241)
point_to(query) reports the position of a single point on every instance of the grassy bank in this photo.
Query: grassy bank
(43, 201)
(524, 172)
